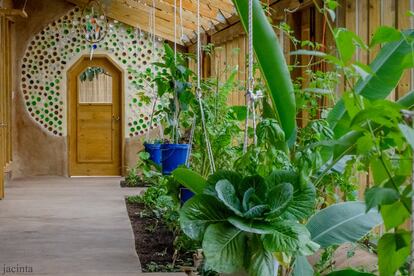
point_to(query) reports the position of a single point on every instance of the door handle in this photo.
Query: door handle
(116, 118)
(3, 125)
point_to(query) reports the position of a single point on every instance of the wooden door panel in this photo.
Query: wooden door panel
(95, 134)
(95, 128)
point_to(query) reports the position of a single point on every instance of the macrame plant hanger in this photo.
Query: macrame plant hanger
(199, 92)
(250, 96)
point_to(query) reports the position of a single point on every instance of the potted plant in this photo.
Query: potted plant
(173, 83)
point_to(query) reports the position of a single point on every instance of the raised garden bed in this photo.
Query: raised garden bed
(154, 242)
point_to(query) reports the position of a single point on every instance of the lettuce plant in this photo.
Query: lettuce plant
(243, 221)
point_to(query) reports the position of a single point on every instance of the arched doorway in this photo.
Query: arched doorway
(95, 118)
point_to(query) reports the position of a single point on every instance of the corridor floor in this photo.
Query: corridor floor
(67, 226)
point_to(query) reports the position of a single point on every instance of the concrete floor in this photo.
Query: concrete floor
(63, 226)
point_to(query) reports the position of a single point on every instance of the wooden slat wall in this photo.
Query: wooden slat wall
(364, 16)
(5, 98)
(226, 58)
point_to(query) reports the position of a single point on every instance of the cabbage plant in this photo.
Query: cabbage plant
(243, 221)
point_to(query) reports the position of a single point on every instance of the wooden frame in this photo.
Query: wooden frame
(5, 99)
(122, 108)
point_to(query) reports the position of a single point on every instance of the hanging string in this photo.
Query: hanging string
(250, 82)
(175, 131)
(199, 94)
(191, 140)
(181, 20)
(152, 37)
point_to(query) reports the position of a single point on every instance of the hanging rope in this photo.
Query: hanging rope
(181, 21)
(152, 36)
(250, 83)
(191, 140)
(175, 130)
(199, 93)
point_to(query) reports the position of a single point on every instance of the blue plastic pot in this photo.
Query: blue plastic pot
(185, 195)
(173, 156)
(154, 151)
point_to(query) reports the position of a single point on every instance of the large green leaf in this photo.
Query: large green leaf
(227, 194)
(394, 214)
(261, 261)
(302, 267)
(273, 66)
(252, 226)
(379, 196)
(224, 248)
(287, 236)
(279, 199)
(303, 203)
(349, 272)
(342, 222)
(387, 69)
(408, 133)
(231, 176)
(393, 250)
(190, 179)
(199, 212)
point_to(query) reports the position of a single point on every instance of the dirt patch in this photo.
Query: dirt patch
(154, 242)
(125, 184)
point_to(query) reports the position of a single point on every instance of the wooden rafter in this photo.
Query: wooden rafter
(136, 18)
(136, 13)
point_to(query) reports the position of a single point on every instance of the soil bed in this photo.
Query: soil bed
(124, 184)
(154, 242)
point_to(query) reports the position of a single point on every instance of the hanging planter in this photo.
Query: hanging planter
(173, 156)
(154, 151)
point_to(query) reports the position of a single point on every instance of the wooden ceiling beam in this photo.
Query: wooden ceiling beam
(136, 18)
(166, 11)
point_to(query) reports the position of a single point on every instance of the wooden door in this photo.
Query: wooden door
(95, 118)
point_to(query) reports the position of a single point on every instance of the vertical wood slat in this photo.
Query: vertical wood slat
(403, 22)
(5, 98)
(2, 104)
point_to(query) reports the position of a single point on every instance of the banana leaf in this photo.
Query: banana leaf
(342, 222)
(273, 66)
(387, 70)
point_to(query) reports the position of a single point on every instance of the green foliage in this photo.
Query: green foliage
(273, 66)
(91, 73)
(343, 222)
(269, 154)
(387, 69)
(247, 218)
(223, 123)
(145, 172)
(192, 180)
(393, 249)
(173, 80)
(349, 272)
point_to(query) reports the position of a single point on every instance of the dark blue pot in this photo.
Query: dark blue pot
(185, 195)
(154, 151)
(173, 156)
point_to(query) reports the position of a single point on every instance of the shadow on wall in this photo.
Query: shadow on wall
(34, 151)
